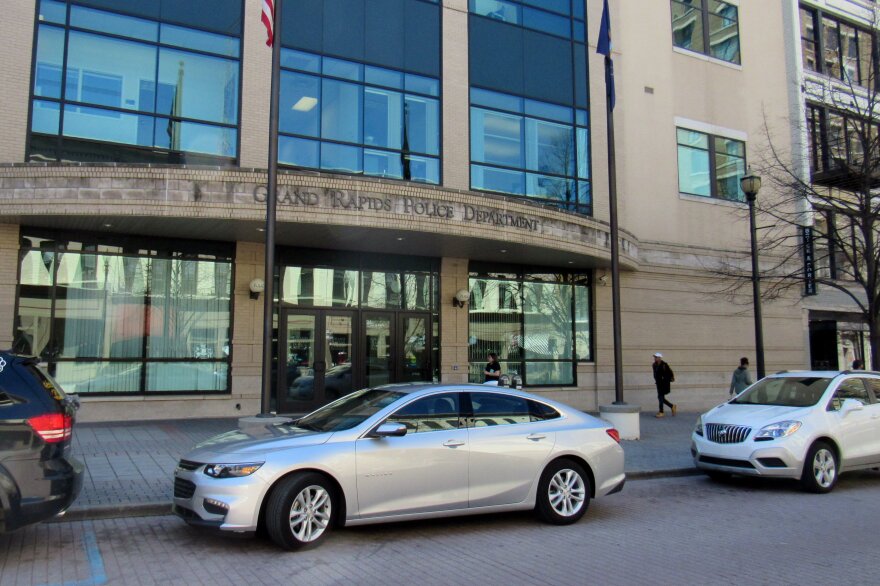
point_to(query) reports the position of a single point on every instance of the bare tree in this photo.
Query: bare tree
(825, 201)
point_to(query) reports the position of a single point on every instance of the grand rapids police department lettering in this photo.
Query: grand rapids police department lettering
(498, 218)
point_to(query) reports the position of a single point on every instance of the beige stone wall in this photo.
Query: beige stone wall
(9, 245)
(256, 89)
(456, 100)
(17, 32)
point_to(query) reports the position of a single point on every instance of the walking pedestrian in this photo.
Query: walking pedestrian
(741, 377)
(858, 365)
(663, 377)
(493, 369)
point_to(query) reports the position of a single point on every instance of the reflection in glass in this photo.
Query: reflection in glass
(547, 320)
(383, 118)
(377, 340)
(316, 287)
(381, 290)
(187, 376)
(49, 58)
(416, 359)
(300, 349)
(338, 347)
(197, 86)
(687, 25)
(99, 377)
(341, 111)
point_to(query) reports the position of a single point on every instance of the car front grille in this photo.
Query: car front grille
(183, 489)
(188, 465)
(723, 433)
(726, 462)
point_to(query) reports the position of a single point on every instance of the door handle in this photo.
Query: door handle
(536, 436)
(453, 443)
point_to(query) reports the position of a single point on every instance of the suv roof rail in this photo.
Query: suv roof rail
(859, 371)
(781, 372)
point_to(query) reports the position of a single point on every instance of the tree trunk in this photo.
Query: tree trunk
(874, 334)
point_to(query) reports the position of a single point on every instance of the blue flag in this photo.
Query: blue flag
(603, 47)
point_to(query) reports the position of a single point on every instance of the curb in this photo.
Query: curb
(95, 512)
(161, 509)
(668, 473)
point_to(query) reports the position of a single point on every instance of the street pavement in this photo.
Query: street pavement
(130, 465)
(676, 531)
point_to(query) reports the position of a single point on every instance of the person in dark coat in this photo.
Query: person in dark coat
(492, 373)
(741, 377)
(663, 377)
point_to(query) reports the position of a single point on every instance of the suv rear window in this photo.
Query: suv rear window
(46, 381)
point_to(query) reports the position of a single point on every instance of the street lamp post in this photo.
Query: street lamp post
(751, 184)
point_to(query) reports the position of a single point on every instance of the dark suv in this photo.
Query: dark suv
(38, 477)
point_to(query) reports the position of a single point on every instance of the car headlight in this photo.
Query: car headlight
(777, 430)
(232, 470)
(698, 428)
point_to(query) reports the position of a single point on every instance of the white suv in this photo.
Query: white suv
(806, 425)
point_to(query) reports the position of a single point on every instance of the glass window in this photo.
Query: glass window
(702, 157)
(105, 75)
(45, 117)
(808, 39)
(433, 413)
(381, 290)
(299, 110)
(532, 324)
(496, 138)
(52, 11)
(541, 412)
(492, 409)
(831, 38)
(403, 129)
(710, 27)
(116, 315)
(316, 287)
(851, 388)
(549, 16)
(874, 385)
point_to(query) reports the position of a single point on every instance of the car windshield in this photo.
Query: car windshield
(785, 391)
(349, 411)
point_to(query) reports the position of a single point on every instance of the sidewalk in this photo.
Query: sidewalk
(129, 465)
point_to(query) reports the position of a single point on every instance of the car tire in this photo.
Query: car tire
(563, 493)
(301, 510)
(820, 468)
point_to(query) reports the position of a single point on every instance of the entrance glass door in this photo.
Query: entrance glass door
(379, 348)
(316, 349)
(415, 348)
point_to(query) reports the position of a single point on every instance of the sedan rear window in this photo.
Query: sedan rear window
(785, 391)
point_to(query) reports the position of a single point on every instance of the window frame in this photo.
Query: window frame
(818, 17)
(151, 153)
(705, 17)
(712, 153)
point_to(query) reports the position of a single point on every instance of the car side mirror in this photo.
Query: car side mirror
(389, 430)
(851, 405)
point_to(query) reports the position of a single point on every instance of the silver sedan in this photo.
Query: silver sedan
(401, 452)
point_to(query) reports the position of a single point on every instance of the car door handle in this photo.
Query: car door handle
(453, 443)
(536, 436)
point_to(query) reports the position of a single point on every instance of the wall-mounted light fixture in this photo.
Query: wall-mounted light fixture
(603, 279)
(461, 298)
(256, 287)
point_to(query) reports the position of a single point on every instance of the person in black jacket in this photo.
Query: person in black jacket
(663, 377)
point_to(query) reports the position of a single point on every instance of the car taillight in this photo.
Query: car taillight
(52, 427)
(615, 435)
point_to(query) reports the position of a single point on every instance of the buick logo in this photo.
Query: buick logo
(722, 431)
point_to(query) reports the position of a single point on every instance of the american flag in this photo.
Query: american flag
(268, 20)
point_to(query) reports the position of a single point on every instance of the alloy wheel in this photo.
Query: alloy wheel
(566, 492)
(824, 469)
(310, 513)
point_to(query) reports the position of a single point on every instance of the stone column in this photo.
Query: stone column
(456, 101)
(247, 328)
(453, 322)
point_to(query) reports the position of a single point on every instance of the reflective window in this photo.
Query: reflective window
(365, 123)
(710, 166)
(851, 388)
(551, 16)
(516, 152)
(127, 322)
(129, 80)
(710, 27)
(847, 55)
(538, 325)
(434, 413)
(492, 409)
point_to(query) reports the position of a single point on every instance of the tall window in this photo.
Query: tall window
(529, 101)
(153, 81)
(526, 147)
(123, 319)
(360, 88)
(710, 27)
(836, 48)
(710, 166)
(538, 324)
(838, 140)
(344, 116)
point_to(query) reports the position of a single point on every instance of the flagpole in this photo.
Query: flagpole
(615, 246)
(271, 199)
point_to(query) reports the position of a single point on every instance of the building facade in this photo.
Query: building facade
(429, 151)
